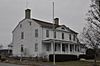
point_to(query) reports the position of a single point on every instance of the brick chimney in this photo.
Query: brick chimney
(56, 20)
(27, 13)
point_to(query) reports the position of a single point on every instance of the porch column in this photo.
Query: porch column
(68, 48)
(61, 47)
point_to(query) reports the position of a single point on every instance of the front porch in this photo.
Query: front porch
(61, 47)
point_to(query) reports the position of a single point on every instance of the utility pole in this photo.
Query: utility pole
(53, 36)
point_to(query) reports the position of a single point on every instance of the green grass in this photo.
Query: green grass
(72, 63)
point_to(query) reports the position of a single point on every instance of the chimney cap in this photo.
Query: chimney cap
(28, 10)
(28, 13)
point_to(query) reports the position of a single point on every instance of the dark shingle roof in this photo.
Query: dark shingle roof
(43, 23)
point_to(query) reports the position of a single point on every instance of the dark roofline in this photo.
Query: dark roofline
(42, 21)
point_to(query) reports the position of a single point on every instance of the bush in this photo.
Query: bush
(86, 56)
(63, 57)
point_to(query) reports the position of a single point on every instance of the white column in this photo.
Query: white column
(61, 47)
(68, 48)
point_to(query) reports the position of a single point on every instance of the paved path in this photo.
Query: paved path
(6, 64)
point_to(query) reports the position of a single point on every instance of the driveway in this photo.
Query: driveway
(6, 64)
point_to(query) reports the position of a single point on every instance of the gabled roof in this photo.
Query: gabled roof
(47, 25)
(50, 25)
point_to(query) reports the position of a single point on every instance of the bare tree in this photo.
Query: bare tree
(91, 32)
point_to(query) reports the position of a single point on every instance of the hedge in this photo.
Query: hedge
(63, 57)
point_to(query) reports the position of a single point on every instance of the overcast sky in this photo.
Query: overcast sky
(71, 13)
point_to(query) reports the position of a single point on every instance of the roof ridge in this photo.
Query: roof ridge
(41, 21)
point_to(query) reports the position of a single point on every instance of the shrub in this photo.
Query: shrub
(63, 57)
(86, 56)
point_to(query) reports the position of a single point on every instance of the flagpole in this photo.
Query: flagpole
(53, 36)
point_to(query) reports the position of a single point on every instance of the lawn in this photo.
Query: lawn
(72, 63)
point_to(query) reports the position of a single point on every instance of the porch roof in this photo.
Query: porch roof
(58, 41)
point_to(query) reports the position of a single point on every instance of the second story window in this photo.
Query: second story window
(36, 32)
(70, 37)
(74, 36)
(22, 35)
(54, 34)
(62, 35)
(47, 33)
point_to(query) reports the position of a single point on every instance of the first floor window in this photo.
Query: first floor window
(36, 47)
(76, 47)
(63, 47)
(48, 47)
(71, 48)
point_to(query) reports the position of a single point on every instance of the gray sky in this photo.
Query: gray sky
(71, 13)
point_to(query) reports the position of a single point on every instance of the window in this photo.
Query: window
(36, 32)
(77, 48)
(69, 36)
(74, 36)
(22, 35)
(54, 34)
(48, 47)
(63, 47)
(47, 33)
(71, 48)
(62, 35)
(20, 25)
(36, 47)
(30, 23)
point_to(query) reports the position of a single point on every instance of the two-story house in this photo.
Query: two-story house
(36, 37)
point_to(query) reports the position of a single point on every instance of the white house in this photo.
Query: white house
(36, 37)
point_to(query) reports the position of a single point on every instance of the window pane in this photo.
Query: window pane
(36, 32)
